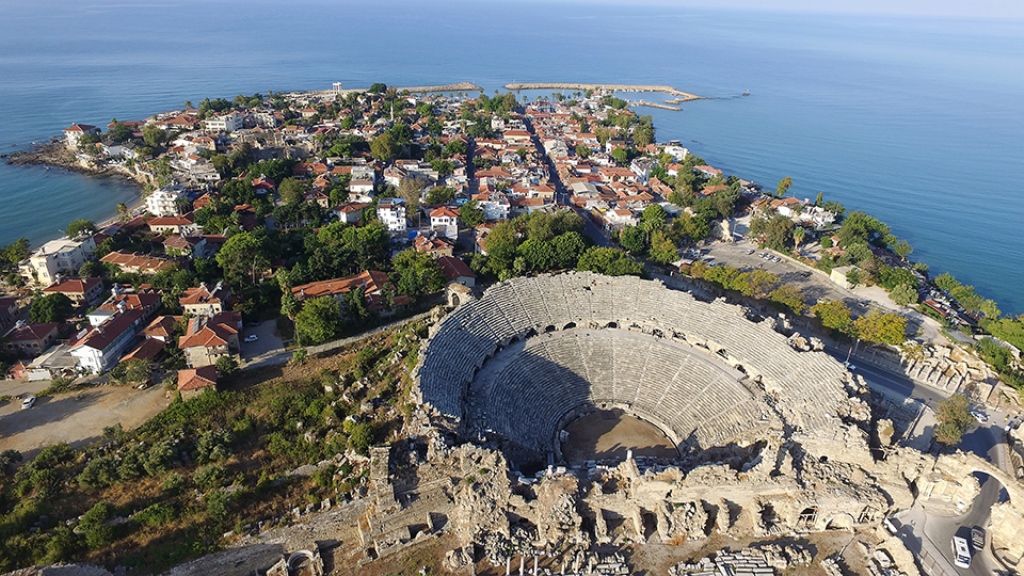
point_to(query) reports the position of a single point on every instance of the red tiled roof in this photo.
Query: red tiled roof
(101, 336)
(31, 332)
(443, 211)
(74, 286)
(369, 280)
(148, 350)
(216, 331)
(197, 378)
(453, 268)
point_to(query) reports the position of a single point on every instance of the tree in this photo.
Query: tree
(834, 315)
(789, 296)
(416, 273)
(902, 248)
(798, 236)
(633, 239)
(440, 195)
(383, 147)
(153, 136)
(904, 295)
(410, 189)
(954, 419)
(620, 155)
(470, 214)
(663, 249)
(653, 218)
(245, 256)
(226, 365)
(80, 227)
(13, 253)
(319, 320)
(774, 232)
(853, 277)
(783, 186)
(610, 261)
(54, 307)
(292, 190)
(95, 525)
(131, 371)
(583, 151)
(881, 327)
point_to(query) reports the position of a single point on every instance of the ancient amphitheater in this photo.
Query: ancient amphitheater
(535, 353)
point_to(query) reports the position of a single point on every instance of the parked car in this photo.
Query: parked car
(980, 416)
(252, 338)
(28, 402)
(978, 537)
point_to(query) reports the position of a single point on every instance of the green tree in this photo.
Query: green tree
(653, 218)
(620, 155)
(416, 273)
(292, 190)
(799, 233)
(902, 248)
(789, 296)
(609, 261)
(383, 147)
(633, 239)
(13, 253)
(583, 151)
(54, 307)
(153, 136)
(470, 214)
(663, 249)
(319, 321)
(80, 227)
(133, 371)
(881, 327)
(853, 277)
(245, 257)
(834, 315)
(95, 525)
(774, 232)
(954, 419)
(360, 437)
(783, 186)
(440, 195)
(904, 295)
(227, 365)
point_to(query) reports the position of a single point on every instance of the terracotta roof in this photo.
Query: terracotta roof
(74, 286)
(139, 261)
(170, 221)
(197, 378)
(207, 333)
(30, 332)
(132, 301)
(103, 335)
(369, 280)
(148, 350)
(453, 268)
(201, 295)
(162, 326)
(443, 211)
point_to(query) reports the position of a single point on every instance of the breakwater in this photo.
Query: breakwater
(680, 95)
(425, 89)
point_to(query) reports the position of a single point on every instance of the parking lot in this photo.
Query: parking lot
(76, 417)
(267, 340)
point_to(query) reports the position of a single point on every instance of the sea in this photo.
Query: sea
(917, 120)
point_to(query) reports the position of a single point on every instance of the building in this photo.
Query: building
(391, 213)
(195, 381)
(202, 301)
(30, 340)
(171, 225)
(81, 291)
(64, 256)
(374, 284)
(494, 204)
(207, 340)
(229, 122)
(162, 328)
(455, 270)
(137, 263)
(432, 245)
(102, 346)
(74, 134)
(351, 212)
(8, 312)
(164, 201)
(445, 221)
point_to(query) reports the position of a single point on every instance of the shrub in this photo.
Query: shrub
(95, 525)
(157, 514)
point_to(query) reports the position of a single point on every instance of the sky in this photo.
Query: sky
(997, 9)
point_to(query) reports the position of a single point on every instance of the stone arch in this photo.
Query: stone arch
(840, 521)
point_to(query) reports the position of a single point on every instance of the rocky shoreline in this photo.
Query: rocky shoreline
(55, 154)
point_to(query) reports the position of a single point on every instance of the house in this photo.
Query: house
(432, 245)
(207, 339)
(171, 224)
(202, 301)
(137, 263)
(81, 291)
(148, 351)
(445, 222)
(455, 270)
(164, 201)
(162, 328)
(101, 347)
(494, 204)
(145, 301)
(708, 171)
(351, 212)
(64, 256)
(74, 134)
(391, 213)
(618, 217)
(375, 285)
(187, 246)
(229, 122)
(193, 382)
(30, 340)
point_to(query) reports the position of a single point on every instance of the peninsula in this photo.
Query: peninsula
(432, 330)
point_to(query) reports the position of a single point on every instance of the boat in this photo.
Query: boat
(746, 93)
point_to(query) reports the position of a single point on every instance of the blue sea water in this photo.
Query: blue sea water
(918, 121)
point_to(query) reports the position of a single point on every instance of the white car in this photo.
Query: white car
(252, 338)
(849, 366)
(28, 402)
(979, 416)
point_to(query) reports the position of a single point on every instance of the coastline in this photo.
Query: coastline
(53, 154)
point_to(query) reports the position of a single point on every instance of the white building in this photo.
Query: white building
(102, 346)
(494, 204)
(677, 152)
(224, 123)
(63, 256)
(445, 222)
(74, 133)
(391, 213)
(163, 201)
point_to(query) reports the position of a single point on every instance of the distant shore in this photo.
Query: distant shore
(681, 96)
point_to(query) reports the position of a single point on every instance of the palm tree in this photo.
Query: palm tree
(122, 211)
(798, 236)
